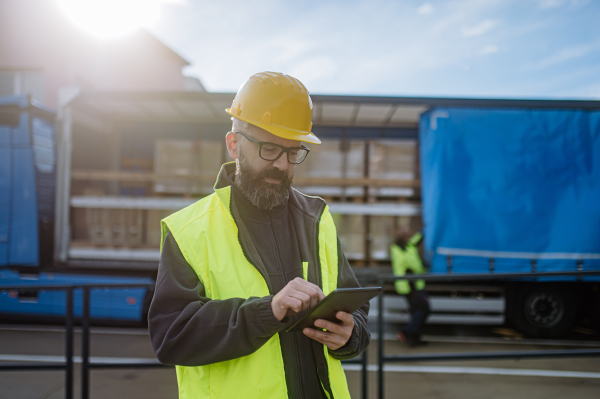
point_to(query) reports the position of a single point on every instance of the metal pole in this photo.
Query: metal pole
(380, 341)
(85, 345)
(365, 374)
(69, 344)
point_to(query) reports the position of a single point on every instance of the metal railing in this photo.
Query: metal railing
(67, 365)
(86, 364)
(382, 358)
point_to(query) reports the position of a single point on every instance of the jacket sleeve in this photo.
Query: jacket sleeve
(361, 337)
(188, 329)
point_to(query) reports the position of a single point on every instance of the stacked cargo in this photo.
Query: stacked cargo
(332, 160)
(187, 158)
(392, 160)
(179, 167)
(351, 232)
(175, 169)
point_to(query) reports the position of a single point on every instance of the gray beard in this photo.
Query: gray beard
(260, 193)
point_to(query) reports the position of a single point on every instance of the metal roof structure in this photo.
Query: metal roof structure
(329, 110)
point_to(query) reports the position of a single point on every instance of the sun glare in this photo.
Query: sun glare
(107, 19)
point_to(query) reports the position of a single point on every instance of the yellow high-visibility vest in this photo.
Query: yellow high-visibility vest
(407, 259)
(207, 236)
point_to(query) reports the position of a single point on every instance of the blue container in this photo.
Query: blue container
(106, 304)
(27, 183)
(512, 185)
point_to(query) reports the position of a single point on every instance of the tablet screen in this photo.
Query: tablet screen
(343, 299)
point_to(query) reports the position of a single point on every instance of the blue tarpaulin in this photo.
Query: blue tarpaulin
(512, 185)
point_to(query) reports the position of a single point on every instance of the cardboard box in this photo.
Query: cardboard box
(153, 218)
(382, 233)
(188, 158)
(98, 224)
(394, 160)
(134, 227)
(351, 232)
(327, 161)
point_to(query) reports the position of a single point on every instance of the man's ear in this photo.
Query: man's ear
(232, 142)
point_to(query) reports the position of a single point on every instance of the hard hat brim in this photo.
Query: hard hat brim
(280, 131)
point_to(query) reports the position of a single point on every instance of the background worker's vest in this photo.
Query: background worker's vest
(208, 239)
(407, 259)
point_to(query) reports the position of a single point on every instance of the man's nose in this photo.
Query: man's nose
(281, 163)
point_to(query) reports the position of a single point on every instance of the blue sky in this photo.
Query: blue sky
(455, 48)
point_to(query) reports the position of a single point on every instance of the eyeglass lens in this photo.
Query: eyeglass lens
(271, 152)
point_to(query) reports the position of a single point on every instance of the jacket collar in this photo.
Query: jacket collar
(223, 177)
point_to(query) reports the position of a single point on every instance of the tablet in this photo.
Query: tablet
(343, 299)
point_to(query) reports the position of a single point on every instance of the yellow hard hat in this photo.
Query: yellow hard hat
(278, 103)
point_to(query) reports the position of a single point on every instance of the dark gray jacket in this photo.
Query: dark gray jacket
(189, 329)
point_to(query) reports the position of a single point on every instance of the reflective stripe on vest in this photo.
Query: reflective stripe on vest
(208, 239)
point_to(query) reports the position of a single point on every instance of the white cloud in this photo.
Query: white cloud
(426, 8)
(488, 49)
(185, 3)
(548, 4)
(371, 47)
(360, 51)
(544, 4)
(564, 55)
(481, 28)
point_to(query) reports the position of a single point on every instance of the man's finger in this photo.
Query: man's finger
(303, 297)
(310, 298)
(330, 326)
(346, 318)
(309, 288)
(328, 344)
(292, 303)
(309, 284)
(333, 341)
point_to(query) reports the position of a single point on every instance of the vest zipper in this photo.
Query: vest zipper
(298, 370)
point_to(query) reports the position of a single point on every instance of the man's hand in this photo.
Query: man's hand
(336, 335)
(296, 296)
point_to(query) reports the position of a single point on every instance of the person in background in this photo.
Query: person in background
(406, 260)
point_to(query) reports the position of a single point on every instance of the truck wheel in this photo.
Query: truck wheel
(545, 311)
(595, 315)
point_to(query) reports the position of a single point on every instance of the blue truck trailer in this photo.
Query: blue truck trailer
(27, 233)
(516, 190)
(507, 186)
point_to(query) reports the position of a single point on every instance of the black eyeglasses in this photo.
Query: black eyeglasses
(272, 152)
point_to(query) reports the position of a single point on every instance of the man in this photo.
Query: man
(238, 266)
(406, 260)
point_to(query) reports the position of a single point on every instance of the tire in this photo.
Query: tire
(544, 311)
(595, 313)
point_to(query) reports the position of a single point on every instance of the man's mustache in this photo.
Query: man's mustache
(275, 173)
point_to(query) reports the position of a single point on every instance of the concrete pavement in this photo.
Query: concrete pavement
(529, 379)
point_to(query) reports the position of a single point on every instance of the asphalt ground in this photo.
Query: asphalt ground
(490, 379)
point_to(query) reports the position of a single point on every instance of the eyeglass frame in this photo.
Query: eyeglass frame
(283, 149)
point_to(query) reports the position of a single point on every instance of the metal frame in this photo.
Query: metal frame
(67, 365)
(86, 364)
(382, 358)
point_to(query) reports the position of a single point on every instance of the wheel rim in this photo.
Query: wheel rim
(544, 309)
